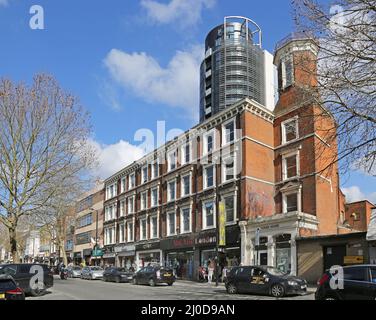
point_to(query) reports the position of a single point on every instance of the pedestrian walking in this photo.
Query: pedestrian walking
(211, 267)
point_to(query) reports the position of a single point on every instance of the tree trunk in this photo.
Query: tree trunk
(13, 244)
(63, 253)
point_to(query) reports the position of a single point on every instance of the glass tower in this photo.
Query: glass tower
(233, 67)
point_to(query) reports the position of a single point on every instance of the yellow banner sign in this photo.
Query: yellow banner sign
(222, 225)
(353, 260)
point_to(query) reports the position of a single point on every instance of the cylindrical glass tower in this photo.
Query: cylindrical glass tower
(233, 67)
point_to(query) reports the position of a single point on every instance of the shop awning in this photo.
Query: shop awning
(371, 235)
(127, 254)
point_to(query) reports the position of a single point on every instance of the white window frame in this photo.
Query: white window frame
(284, 62)
(169, 233)
(183, 154)
(284, 200)
(131, 198)
(107, 232)
(143, 178)
(123, 183)
(224, 142)
(283, 127)
(143, 236)
(204, 222)
(224, 168)
(182, 220)
(169, 199)
(224, 197)
(169, 154)
(152, 199)
(205, 184)
(189, 175)
(122, 232)
(205, 140)
(110, 212)
(152, 226)
(153, 174)
(130, 187)
(123, 209)
(108, 191)
(284, 165)
(130, 239)
(144, 206)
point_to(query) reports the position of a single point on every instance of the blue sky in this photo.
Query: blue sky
(119, 56)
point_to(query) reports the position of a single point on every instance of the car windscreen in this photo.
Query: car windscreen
(276, 272)
(96, 269)
(76, 268)
(7, 284)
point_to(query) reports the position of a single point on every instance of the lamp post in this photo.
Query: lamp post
(96, 233)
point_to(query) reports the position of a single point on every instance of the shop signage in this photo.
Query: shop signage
(353, 260)
(109, 255)
(222, 225)
(97, 252)
(206, 239)
(148, 246)
(86, 252)
(177, 243)
(124, 248)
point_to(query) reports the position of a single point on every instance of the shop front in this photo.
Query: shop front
(148, 253)
(77, 258)
(87, 256)
(109, 256)
(179, 256)
(371, 237)
(126, 255)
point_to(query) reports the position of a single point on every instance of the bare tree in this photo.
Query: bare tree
(345, 32)
(43, 145)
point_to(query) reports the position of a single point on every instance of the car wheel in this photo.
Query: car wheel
(135, 282)
(152, 283)
(278, 291)
(231, 289)
(170, 283)
(117, 280)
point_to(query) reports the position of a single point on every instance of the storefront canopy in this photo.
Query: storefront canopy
(371, 235)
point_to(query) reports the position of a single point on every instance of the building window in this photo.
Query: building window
(209, 142)
(83, 238)
(143, 229)
(131, 203)
(110, 212)
(290, 166)
(171, 227)
(144, 175)
(123, 184)
(172, 159)
(132, 181)
(228, 132)
(209, 177)
(111, 191)
(290, 202)
(130, 231)
(109, 236)
(186, 185)
(154, 227)
(208, 215)
(228, 169)
(186, 154)
(85, 221)
(171, 192)
(230, 209)
(122, 233)
(290, 130)
(286, 73)
(154, 197)
(185, 220)
(155, 170)
(122, 208)
(144, 200)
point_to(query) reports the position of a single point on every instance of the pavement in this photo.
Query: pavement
(78, 289)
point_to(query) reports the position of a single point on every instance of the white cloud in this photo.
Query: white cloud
(176, 85)
(354, 194)
(183, 12)
(112, 158)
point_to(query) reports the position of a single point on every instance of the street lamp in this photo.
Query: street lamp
(96, 232)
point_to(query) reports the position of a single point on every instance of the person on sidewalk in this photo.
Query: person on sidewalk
(211, 267)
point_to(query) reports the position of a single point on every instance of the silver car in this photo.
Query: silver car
(92, 273)
(74, 272)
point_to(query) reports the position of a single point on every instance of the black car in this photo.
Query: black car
(117, 275)
(359, 283)
(152, 275)
(263, 280)
(23, 274)
(9, 289)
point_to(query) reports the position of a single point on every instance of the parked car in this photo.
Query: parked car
(92, 273)
(263, 280)
(74, 272)
(152, 275)
(22, 274)
(9, 289)
(117, 275)
(359, 283)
